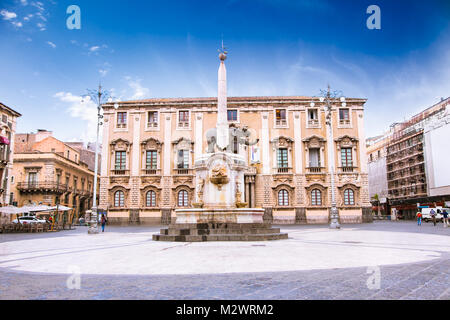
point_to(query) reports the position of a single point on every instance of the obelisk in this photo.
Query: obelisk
(222, 119)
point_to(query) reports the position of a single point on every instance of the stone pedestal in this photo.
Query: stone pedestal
(244, 215)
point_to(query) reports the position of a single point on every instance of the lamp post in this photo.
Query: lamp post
(99, 97)
(327, 97)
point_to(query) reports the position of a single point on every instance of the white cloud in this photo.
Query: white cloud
(84, 109)
(51, 44)
(17, 24)
(94, 48)
(139, 92)
(8, 15)
(24, 2)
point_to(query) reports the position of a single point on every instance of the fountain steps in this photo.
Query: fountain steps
(219, 232)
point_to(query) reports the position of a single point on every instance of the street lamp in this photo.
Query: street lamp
(99, 97)
(327, 97)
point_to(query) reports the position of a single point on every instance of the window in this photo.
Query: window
(344, 116)
(4, 118)
(280, 117)
(151, 162)
(349, 197)
(119, 199)
(282, 158)
(235, 145)
(314, 158)
(150, 199)
(76, 158)
(32, 178)
(183, 198)
(183, 119)
(283, 197)
(183, 159)
(346, 157)
(121, 158)
(232, 115)
(316, 197)
(313, 118)
(68, 154)
(152, 120)
(121, 119)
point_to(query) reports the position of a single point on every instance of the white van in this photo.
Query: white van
(426, 216)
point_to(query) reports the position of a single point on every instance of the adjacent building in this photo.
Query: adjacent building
(150, 147)
(49, 171)
(8, 120)
(417, 172)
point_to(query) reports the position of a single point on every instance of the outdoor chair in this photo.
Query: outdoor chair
(39, 227)
(26, 227)
(34, 227)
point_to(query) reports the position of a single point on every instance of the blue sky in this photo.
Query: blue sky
(169, 48)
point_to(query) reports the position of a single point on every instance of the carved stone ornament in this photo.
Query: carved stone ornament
(219, 176)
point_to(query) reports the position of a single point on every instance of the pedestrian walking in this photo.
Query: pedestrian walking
(103, 221)
(445, 214)
(419, 218)
(433, 216)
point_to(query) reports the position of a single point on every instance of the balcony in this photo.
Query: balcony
(152, 125)
(151, 172)
(314, 170)
(347, 169)
(119, 172)
(183, 172)
(42, 187)
(283, 170)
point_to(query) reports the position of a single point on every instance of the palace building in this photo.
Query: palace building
(150, 148)
(49, 171)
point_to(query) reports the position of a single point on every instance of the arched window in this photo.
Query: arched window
(349, 197)
(150, 199)
(183, 198)
(316, 197)
(119, 199)
(283, 197)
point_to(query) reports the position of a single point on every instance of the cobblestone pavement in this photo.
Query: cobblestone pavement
(427, 280)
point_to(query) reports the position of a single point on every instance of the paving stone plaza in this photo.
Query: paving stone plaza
(383, 260)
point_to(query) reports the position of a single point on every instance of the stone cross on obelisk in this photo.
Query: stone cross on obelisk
(222, 118)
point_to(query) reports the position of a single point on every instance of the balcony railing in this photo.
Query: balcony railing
(283, 170)
(313, 122)
(314, 170)
(119, 172)
(151, 172)
(344, 122)
(347, 169)
(42, 186)
(182, 171)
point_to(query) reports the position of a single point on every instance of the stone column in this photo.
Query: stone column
(298, 143)
(198, 146)
(265, 144)
(104, 176)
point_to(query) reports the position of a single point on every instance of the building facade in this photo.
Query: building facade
(415, 153)
(8, 121)
(378, 185)
(48, 171)
(150, 148)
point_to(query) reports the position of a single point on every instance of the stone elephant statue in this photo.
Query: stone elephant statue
(242, 134)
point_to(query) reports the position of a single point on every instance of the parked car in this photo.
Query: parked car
(29, 220)
(426, 216)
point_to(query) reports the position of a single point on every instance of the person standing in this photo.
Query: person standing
(419, 218)
(433, 216)
(445, 214)
(103, 221)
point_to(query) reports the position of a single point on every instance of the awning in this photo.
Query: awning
(4, 140)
